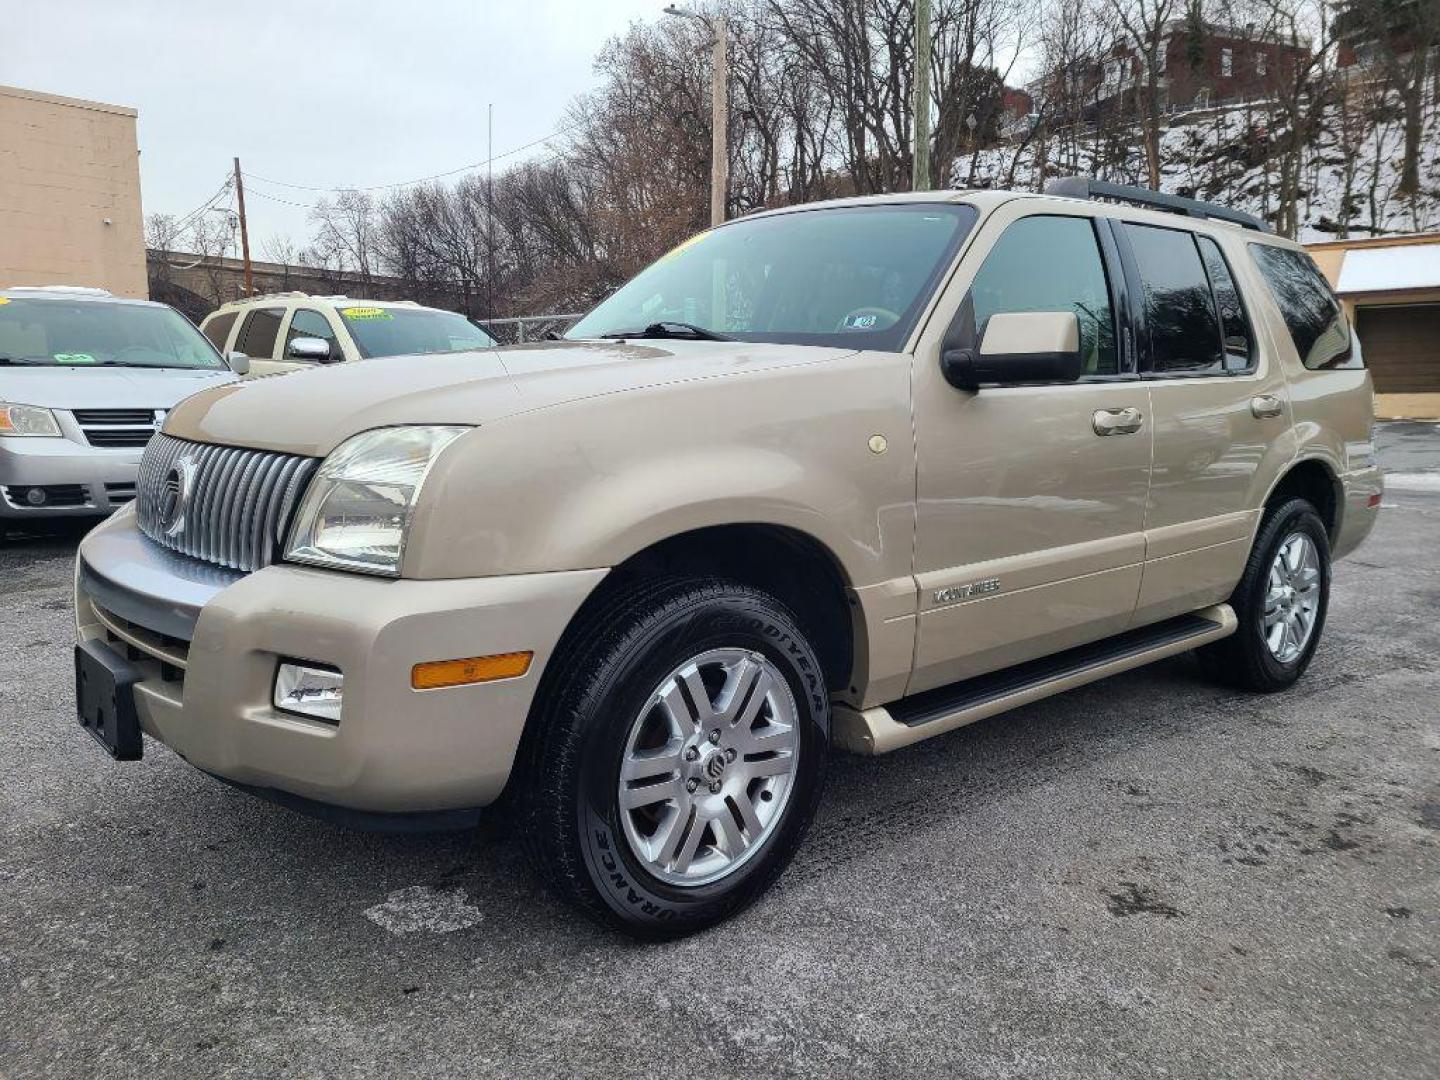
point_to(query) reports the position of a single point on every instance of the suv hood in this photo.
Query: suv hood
(105, 387)
(312, 412)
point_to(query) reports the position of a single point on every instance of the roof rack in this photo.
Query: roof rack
(1083, 187)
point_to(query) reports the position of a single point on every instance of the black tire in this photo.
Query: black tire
(566, 797)
(1244, 660)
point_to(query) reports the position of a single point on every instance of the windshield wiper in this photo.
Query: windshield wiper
(28, 361)
(671, 329)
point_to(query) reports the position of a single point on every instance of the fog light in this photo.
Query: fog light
(310, 690)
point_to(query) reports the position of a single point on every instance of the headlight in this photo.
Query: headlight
(357, 512)
(27, 420)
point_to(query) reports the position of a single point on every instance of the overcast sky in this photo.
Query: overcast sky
(314, 92)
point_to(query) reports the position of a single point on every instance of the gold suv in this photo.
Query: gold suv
(854, 473)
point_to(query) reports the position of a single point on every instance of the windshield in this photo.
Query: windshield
(855, 277)
(390, 331)
(96, 332)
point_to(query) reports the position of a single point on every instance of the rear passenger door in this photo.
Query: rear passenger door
(1220, 407)
(1030, 504)
(259, 339)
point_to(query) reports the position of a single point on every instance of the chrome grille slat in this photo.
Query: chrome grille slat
(240, 504)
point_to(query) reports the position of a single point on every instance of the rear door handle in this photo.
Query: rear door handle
(1117, 421)
(1266, 405)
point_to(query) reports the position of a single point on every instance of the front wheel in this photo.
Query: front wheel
(1280, 603)
(678, 755)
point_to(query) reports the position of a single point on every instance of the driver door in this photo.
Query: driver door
(1030, 506)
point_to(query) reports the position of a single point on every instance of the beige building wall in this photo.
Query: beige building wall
(69, 194)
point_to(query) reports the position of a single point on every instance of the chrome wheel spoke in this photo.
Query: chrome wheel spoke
(1292, 598)
(650, 794)
(708, 766)
(643, 765)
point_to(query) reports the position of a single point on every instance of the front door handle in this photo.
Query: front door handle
(1266, 405)
(1117, 421)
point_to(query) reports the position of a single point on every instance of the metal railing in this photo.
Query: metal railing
(527, 327)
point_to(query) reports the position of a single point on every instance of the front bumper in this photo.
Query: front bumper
(209, 643)
(105, 477)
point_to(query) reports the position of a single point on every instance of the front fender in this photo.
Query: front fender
(589, 483)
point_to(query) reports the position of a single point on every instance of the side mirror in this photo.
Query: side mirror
(1018, 347)
(239, 363)
(313, 349)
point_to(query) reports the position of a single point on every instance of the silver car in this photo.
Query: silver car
(86, 379)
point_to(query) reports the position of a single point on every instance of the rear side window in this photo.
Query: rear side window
(1239, 353)
(1048, 263)
(1180, 316)
(218, 328)
(258, 334)
(1312, 314)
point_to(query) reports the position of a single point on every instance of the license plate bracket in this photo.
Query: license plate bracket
(105, 699)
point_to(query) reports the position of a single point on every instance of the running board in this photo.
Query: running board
(889, 727)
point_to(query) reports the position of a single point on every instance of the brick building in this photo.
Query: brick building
(1211, 66)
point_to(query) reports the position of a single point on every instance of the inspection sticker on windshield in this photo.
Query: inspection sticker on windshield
(74, 358)
(861, 322)
(365, 313)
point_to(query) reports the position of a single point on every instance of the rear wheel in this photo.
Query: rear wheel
(1280, 602)
(677, 757)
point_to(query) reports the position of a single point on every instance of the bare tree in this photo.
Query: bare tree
(1144, 27)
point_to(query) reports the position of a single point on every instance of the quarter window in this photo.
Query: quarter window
(1312, 314)
(258, 334)
(1048, 263)
(1179, 308)
(218, 329)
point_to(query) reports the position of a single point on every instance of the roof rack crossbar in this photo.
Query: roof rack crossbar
(1083, 187)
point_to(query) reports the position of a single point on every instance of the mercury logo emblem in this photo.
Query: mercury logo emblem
(715, 766)
(174, 496)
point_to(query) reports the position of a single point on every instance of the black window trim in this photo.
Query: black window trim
(1253, 359)
(1137, 308)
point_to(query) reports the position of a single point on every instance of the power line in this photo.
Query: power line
(206, 205)
(424, 179)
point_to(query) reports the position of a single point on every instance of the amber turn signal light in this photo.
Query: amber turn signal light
(472, 669)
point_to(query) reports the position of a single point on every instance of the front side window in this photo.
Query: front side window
(1179, 309)
(1313, 316)
(398, 331)
(83, 333)
(311, 324)
(1047, 263)
(851, 277)
(258, 333)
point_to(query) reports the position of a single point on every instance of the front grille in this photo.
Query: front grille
(224, 504)
(134, 417)
(118, 427)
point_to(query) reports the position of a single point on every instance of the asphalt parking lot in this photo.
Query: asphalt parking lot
(1150, 876)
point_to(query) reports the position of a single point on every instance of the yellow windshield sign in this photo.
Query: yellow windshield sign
(365, 313)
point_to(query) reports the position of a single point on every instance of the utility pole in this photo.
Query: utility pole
(719, 123)
(719, 109)
(244, 231)
(920, 170)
